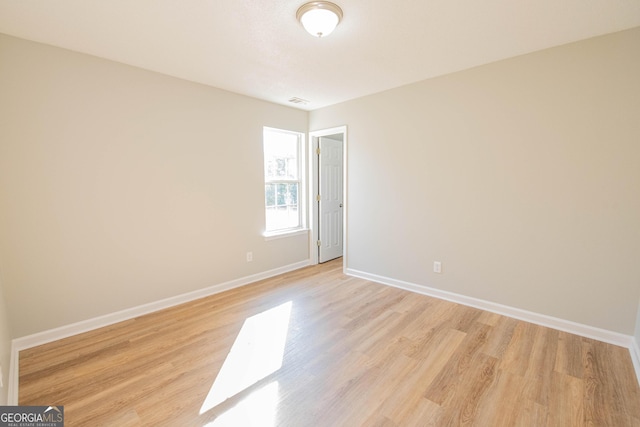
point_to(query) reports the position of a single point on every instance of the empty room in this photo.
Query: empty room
(224, 213)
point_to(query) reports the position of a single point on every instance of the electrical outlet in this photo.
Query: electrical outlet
(249, 256)
(437, 267)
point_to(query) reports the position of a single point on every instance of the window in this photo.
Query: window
(283, 180)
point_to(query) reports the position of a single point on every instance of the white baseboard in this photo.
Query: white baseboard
(516, 313)
(14, 375)
(635, 357)
(61, 332)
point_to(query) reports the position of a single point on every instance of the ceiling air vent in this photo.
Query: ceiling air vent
(297, 100)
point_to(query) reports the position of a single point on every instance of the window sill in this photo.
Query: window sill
(286, 233)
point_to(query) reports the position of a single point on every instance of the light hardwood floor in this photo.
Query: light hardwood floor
(357, 353)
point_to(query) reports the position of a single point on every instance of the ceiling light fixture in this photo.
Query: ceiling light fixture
(319, 18)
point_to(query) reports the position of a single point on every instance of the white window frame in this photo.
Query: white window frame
(301, 181)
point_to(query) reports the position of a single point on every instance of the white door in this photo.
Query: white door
(330, 200)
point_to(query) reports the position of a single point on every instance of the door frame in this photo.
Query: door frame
(314, 219)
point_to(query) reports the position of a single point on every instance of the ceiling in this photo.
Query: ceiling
(257, 48)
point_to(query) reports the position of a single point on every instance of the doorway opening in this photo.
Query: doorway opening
(328, 202)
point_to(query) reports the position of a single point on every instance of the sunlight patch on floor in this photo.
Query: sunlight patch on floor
(259, 409)
(256, 353)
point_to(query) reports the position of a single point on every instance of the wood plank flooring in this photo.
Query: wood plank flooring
(357, 353)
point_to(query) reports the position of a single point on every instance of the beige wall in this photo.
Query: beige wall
(5, 346)
(522, 177)
(120, 186)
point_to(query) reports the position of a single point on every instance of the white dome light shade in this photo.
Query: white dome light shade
(319, 22)
(319, 18)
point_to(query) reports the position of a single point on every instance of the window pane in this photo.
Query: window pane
(270, 194)
(281, 194)
(293, 194)
(282, 217)
(280, 155)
